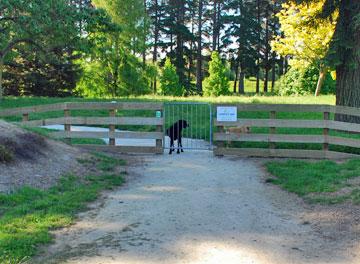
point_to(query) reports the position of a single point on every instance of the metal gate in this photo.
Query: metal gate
(196, 132)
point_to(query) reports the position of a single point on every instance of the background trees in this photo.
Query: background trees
(38, 42)
(114, 48)
(305, 43)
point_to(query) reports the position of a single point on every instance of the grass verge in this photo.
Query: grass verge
(28, 215)
(325, 182)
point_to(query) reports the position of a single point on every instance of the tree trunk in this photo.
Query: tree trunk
(1, 77)
(156, 39)
(191, 53)
(273, 73)
(218, 28)
(286, 65)
(236, 76)
(215, 22)
(267, 51)
(348, 72)
(322, 77)
(241, 81)
(258, 47)
(144, 47)
(199, 50)
(180, 62)
(281, 66)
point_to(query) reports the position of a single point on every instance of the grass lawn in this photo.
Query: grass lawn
(27, 216)
(318, 181)
(249, 85)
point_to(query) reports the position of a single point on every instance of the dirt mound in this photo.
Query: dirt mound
(32, 160)
(19, 144)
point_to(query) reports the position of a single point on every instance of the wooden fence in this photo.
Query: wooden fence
(111, 121)
(272, 137)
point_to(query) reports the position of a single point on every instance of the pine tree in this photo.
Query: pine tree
(217, 83)
(199, 75)
(169, 80)
(242, 39)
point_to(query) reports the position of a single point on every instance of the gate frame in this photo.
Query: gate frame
(211, 147)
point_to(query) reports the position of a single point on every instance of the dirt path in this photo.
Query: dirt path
(195, 208)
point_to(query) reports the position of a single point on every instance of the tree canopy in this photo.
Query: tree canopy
(114, 48)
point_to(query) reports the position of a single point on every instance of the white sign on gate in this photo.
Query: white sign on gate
(226, 113)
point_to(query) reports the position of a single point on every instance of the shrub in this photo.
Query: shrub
(169, 81)
(217, 83)
(5, 154)
(298, 81)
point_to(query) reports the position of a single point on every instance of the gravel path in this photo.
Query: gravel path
(195, 208)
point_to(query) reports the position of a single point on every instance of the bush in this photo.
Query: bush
(117, 78)
(5, 155)
(303, 81)
(217, 83)
(169, 81)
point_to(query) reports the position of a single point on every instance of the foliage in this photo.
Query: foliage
(38, 42)
(5, 155)
(302, 81)
(302, 40)
(112, 69)
(169, 80)
(217, 83)
(133, 20)
(28, 215)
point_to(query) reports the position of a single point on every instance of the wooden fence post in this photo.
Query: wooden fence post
(25, 117)
(67, 126)
(326, 132)
(112, 113)
(272, 131)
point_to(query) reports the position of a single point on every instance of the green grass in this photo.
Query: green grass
(249, 86)
(316, 181)
(27, 216)
(107, 163)
(78, 141)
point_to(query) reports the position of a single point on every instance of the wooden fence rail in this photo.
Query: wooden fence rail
(111, 121)
(272, 137)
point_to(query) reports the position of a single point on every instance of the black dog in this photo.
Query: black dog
(174, 132)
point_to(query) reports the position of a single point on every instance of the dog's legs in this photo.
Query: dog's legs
(171, 145)
(178, 148)
(180, 143)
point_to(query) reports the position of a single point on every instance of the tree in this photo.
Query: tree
(133, 20)
(117, 46)
(217, 83)
(169, 80)
(240, 32)
(45, 26)
(199, 76)
(344, 51)
(305, 42)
